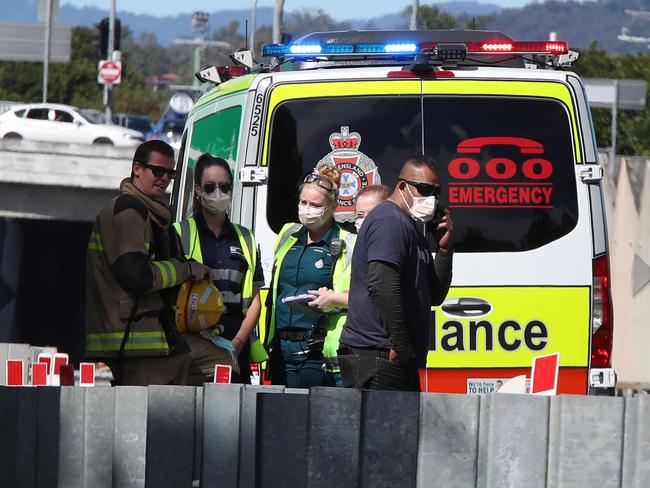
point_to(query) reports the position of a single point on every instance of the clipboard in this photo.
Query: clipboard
(300, 303)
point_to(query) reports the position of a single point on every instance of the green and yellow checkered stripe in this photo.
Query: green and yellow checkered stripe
(95, 242)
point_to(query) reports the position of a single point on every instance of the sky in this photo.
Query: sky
(338, 9)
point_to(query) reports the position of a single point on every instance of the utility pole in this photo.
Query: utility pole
(201, 27)
(253, 27)
(46, 55)
(277, 21)
(108, 88)
(414, 15)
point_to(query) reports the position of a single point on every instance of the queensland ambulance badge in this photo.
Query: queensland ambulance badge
(357, 170)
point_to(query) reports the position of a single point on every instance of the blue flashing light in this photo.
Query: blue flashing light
(339, 49)
(275, 49)
(308, 50)
(407, 48)
(370, 48)
(305, 49)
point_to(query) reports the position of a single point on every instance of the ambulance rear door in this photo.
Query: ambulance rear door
(509, 155)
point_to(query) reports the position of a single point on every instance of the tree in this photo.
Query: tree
(75, 83)
(431, 17)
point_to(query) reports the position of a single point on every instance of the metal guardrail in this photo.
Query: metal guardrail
(235, 436)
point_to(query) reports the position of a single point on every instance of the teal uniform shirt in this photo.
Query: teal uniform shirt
(305, 267)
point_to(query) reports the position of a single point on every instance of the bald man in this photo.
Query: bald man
(395, 281)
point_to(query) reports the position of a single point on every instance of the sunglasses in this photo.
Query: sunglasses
(159, 171)
(424, 189)
(225, 187)
(321, 181)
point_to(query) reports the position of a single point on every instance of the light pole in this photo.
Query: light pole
(253, 27)
(414, 15)
(108, 88)
(277, 21)
(46, 55)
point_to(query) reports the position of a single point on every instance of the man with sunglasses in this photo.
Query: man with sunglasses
(395, 281)
(134, 264)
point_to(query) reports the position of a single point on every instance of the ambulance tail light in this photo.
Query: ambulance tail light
(602, 314)
(505, 47)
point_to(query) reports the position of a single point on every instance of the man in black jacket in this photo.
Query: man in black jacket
(395, 281)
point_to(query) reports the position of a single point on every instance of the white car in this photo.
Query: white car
(63, 123)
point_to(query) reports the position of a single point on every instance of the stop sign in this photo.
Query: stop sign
(109, 72)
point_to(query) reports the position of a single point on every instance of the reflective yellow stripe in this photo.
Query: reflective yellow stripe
(289, 91)
(95, 242)
(171, 269)
(111, 341)
(163, 273)
(554, 89)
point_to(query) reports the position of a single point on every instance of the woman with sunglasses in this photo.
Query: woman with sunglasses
(312, 257)
(229, 250)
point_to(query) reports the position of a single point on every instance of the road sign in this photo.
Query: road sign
(25, 42)
(626, 94)
(109, 72)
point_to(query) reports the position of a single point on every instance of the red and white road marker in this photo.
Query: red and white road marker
(86, 374)
(545, 374)
(222, 373)
(60, 359)
(39, 374)
(47, 360)
(15, 370)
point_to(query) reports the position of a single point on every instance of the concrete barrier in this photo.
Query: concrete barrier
(245, 436)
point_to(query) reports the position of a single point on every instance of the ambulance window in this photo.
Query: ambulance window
(367, 137)
(507, 167)
(217, 134)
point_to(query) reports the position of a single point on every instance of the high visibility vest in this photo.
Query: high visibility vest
(191, 244)
(340, 284)
(189, 235)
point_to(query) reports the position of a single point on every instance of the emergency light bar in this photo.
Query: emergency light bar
(411, 48)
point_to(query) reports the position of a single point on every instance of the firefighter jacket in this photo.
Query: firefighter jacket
(134, 263)
(340, 284)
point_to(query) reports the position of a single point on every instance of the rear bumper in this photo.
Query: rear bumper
(570, 380)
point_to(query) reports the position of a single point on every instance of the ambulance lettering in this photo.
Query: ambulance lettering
(482, 335)
(502, 182)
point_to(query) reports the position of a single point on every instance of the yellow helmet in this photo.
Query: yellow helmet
(199, 306)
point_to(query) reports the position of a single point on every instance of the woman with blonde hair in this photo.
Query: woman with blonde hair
(311, 258)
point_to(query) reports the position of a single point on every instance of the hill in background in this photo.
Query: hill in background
(579, 23)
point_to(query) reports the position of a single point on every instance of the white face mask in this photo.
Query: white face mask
(216, 202)
(359, 222)
(312, 217)
(423, 208)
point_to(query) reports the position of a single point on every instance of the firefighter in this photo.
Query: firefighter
(134, 264)
(309, 256)
(229, 250)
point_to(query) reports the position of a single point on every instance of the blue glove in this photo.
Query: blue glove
(223, 344)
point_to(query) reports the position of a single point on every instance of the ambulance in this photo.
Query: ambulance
(509, 125)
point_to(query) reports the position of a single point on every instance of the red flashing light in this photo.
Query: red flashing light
(602, 338)
(231, 71)
(536, 47)
(436, 73)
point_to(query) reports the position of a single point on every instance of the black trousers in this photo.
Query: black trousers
(370, 369)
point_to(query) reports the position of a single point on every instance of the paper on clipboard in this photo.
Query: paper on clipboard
(300, 303)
